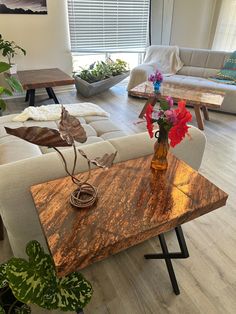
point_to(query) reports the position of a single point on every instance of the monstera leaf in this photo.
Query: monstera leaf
(105, 161)
(71, 129)
(35, 281)
(39, 136)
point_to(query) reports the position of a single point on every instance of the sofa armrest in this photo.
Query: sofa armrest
(139, 75)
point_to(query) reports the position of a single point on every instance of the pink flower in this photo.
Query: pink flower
(171, 116)
(155, 77)
(170, 101)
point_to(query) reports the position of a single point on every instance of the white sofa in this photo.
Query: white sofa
(24, 164)
(199, 65)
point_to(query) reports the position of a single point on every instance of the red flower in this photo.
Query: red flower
(148, 117)
(180, 128)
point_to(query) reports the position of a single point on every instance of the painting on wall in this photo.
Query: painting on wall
(23, 6)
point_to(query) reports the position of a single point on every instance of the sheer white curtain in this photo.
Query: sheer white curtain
(225, 37)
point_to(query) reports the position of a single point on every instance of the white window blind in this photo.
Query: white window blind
(108, 26)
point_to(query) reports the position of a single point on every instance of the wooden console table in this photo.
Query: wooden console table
(199, 98)
(44, 78)
(134, 204)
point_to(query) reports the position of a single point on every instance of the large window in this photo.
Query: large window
(108, 26)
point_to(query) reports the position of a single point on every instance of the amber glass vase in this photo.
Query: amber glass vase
(161, 148)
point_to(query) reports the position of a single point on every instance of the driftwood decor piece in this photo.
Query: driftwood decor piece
(70, 130)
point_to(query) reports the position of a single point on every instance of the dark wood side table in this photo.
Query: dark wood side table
(134, 204)
(44, 78)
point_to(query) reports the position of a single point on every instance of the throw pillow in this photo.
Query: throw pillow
(227, 74)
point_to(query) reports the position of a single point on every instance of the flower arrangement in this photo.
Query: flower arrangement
(174, 121)
(156, 78)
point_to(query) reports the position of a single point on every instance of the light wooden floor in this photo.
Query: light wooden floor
(127, 283)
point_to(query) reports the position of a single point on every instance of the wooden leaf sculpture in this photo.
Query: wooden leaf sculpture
(71, 129)
(39, 136)
(105, 161)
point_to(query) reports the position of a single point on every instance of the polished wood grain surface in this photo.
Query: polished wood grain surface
(33, 79)
(195, 96)
(134, 204)
(199, 98)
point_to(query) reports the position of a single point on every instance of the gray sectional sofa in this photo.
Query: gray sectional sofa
(199, 65)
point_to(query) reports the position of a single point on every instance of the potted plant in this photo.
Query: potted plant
(23, 283)
(9, 50)
(12, 82)
(100, 76)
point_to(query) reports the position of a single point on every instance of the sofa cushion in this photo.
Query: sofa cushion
(198, 71)
(97, 129)
(114, 134)
(104, 126)
(90, 140)
(17, 149)
(203, 58)
(89, 119)
(8, 124)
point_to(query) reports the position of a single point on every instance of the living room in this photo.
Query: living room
(130, 238)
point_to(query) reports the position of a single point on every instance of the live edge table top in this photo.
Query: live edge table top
(196, 96)
(33, 79)
(134, 204)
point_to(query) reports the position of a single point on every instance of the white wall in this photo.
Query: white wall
(192, 23)
(185, 23)
(45, 37)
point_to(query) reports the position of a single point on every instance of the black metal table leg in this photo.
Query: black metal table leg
(168, 256)
(169, 264)
(52, 95)
(48, 89)
(31, 97)
(27, 96)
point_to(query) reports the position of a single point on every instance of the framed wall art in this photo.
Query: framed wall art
(23, 6)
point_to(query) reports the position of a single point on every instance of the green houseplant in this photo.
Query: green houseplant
(12, 82)
(9, 49)
(100, 76)
(35, 282)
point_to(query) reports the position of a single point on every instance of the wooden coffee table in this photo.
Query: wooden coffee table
(134, 204)
(44, 78)
(199, 98)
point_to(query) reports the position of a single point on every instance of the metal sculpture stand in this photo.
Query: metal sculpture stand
(168, 256)
(84, 196)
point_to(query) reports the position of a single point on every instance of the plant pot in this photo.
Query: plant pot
(13, 68)
(90, 89)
